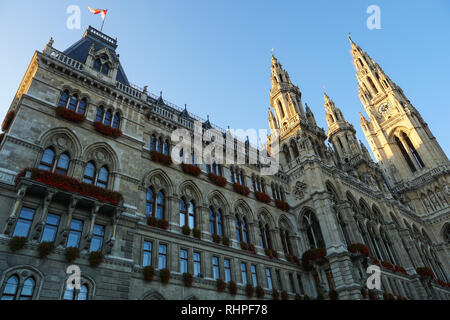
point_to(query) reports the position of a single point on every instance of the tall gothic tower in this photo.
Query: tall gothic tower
(415, 166)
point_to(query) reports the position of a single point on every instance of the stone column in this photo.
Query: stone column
(173, 213)
(350, 223)
(88, 237)
(39, 227)
(410, 247)
(15, 209)
(65, 231)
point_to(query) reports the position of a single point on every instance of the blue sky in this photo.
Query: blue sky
(215, 55)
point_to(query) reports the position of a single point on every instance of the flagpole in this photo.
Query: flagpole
(101, 29)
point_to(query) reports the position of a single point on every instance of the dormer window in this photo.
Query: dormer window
(102, 65)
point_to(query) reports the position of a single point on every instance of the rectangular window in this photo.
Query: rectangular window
(291, 280)
(197, 266)
(215, 268)
(97, 238)
(269, 278)
(162, 256)
(183, 261)
(50, 229)
(24, 222)
(280, 286)
(254, 275)
(147, 256)
(227, 267)
(244, 273)
(73, 239)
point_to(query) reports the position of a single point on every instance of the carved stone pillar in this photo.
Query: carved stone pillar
(88, 238)
(65, 231)
(39, 227)
(15, 209)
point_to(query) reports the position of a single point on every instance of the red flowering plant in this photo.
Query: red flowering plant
(163, 224)
(95, 258)
(312, 256)
(250, 290)
(164, 275)
(425, 272)
(268, 253)
(191, 169)
(289, 257)
(388, 296)
(69, 184)
(221, 285)
(8, 120)
(263, 197)
(70, 114)
(376, 262)
(218, 180)
(226, 241)
(197, 233)
(284, 295)
(260, 292)
(275, 294)
(441, 283)
(161, 158)
(216, 238)
(45, 248)
(107, 130)
(282, 205)
(232, 287)
(399, 269)
(372, 295)
(188, 279)
(248, 246)
(358, 248)
(387, 265)
(245, 191)
(17, 243)
(149, 273)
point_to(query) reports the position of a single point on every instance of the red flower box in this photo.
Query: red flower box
(400, 270)
(69, 184)
(376, 262)
(70, 114)
(263, 197)
(387, 265)
(425, 272)
(107, 130)
(161, 158)
(191, 169)
(313, 255)
(221, 285)
(245, 191)
(8, 120)
(358, 248)
(282, 205)
(218, 180)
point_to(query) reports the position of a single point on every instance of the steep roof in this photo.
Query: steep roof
(80, 49)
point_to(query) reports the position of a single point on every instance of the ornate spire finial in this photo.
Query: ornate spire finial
(160, 94)
(185, 106)
(50, 42)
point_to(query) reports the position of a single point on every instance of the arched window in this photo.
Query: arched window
(343, 230)
(152, 143)
(27, 289)
(63, 99)
(215, 221)
(372, 85)
(63, 164)
(99, 116)
(105, 69)
(97, 64)
(268, 237)
(160, 206)
(183, 213)
(48, 159)
(280, 107)
(294, 149)
(108, 117)
(405, 154)
(116, 121)
(159, 145)
(166, 148)
(313, 231)
(10, 290)
(82, 106)
(89, 173)
(413, 151)
(72, 294)
(150, 202)
(244, 230)
(102, 179)
(73, 103)
(238, 229)
(262, 239)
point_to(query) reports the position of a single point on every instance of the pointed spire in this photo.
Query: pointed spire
(272, 121)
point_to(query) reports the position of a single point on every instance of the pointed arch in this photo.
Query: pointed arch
(242, 208)
(153, 295)
(218, 200)
(158, 178)
(190, 190)
(102, 153)
(62, 139)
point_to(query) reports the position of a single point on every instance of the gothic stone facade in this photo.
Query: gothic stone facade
(337, 195)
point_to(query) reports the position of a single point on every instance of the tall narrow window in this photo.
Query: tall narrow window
(291, 281)
(82, 106)
(99, 116)
(24, 222)
(152, 143)
(159, 145)
(97, 64)
(227, 269)
(63, 164)
(212, 221)
(162, 256)
(183, 213)
(48, 158)
(63, 99)
(147, 255)
(150, 202)
(183, 261)
(300, 283)
(27, 289)
(74, 237)
(89, 173)
(280, 107)
(268, 237)
(269, 278)
(105, 69)
(102, 179)
(108, 117)
(73, 103)
(280, 285)
(238, 228)
(219, 223)
(97, 238)
(160, 206)
(254, 275)
(116, 121)
(166, 148)
(197, 264)
(191, 212)
(244, 273)
(51, 228)
(215, 268)
(244, 230)
(261, 236)
(413, 151)
(10, 290)
(405, 154)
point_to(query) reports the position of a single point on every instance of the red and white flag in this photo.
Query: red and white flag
(97, 11)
